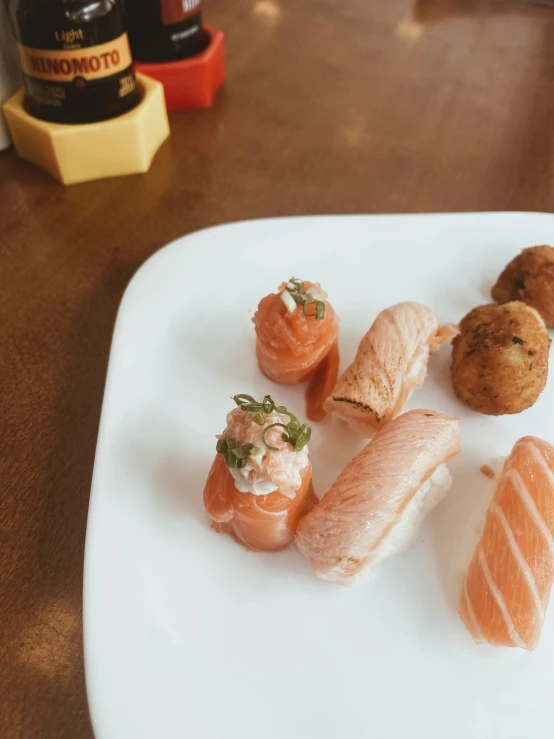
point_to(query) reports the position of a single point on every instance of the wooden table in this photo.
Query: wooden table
(350, 106)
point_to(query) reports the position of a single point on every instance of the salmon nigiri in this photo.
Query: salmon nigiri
(390, 363)
(296, 335)
(260, 483)
(375, 506)
(507, 585)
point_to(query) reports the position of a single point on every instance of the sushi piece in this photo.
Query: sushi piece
(296, 329)
(507, 586)
(375, 506)
(390, 363)
(260, 483)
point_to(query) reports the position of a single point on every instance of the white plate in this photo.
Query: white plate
(189, 635)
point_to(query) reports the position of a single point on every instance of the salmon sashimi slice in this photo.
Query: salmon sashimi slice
(292, 341)
(390, 363)
(375, 506)
(507, 586)
(259, 522)
(322, 383)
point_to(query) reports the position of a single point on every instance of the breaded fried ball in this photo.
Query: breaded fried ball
(500, 358)
(529, 278)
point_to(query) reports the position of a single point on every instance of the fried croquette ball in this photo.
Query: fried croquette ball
(500, 358)
(529, 278)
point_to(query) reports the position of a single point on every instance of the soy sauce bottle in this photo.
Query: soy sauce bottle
(165, 30)
(75, 58)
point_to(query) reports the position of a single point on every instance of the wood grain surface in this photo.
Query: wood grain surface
(331, 106)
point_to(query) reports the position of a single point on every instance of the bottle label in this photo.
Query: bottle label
(90, 63)
(175, 11)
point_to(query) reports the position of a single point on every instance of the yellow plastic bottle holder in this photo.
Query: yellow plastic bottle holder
(91, 151)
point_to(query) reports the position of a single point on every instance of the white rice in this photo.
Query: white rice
(404, 532)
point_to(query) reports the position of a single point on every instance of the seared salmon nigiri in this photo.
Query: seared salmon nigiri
(260, 483)
(390, 363)
(296, 329)
(375, 506)
(507, 586)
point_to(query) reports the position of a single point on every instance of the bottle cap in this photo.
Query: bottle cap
(193, 82)
(90, 151)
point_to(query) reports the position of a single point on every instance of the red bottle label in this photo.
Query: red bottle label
(175, 11)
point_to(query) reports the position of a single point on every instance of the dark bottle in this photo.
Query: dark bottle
(75, 58)
(165, 30)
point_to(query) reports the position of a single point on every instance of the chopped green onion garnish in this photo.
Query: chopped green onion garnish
(295, 288)
(295, 285)
(249, 404)
(296, 434)
(272, 426)
(235, 456)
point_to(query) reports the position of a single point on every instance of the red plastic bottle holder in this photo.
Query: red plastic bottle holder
(192, 82)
